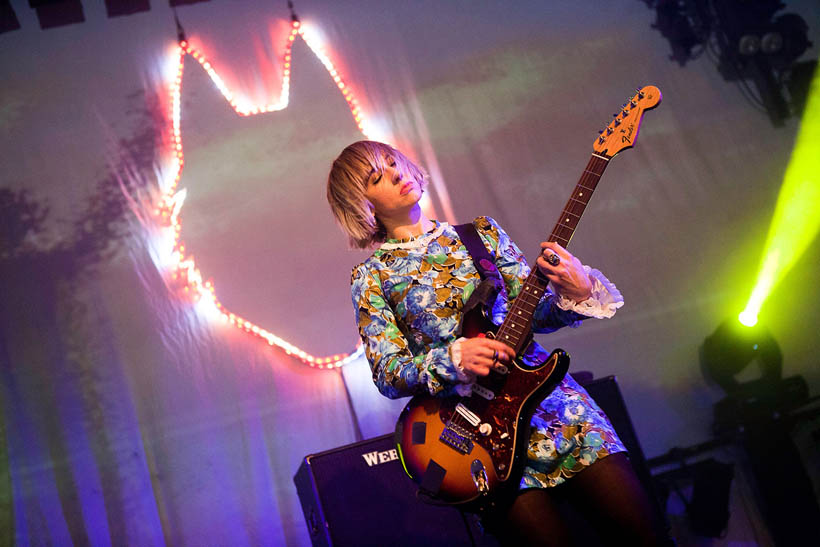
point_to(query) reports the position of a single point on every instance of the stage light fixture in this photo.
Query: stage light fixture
(174, 3)
(118, 8)
(771, 43)
(58, 13)
(748, 45)
(749, 404)
(8, 19)
(682, 25)
(753, 45)
(732, 347)
(785, 41)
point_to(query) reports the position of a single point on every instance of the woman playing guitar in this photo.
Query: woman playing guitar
(408, 297)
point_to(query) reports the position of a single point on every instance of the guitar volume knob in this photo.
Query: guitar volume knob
(485, 429)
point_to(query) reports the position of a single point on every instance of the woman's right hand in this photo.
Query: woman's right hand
(477, 355)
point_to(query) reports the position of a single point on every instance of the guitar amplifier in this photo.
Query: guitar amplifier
(359, 495)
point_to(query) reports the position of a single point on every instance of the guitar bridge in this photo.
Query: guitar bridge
(457, 438)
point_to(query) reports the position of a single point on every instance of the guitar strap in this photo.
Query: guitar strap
(478, 252)
(491, 282)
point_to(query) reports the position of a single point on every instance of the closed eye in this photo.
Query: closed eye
(372, 171)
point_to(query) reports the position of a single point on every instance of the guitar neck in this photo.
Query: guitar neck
(576, 205)
(518, 323)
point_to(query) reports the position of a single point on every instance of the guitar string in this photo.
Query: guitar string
(589, 178)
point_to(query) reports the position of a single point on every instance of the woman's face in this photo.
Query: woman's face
(390, 192)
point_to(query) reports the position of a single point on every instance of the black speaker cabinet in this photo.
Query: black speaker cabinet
(359, 495)
(607, 394)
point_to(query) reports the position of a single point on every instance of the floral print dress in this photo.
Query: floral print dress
(408, 298)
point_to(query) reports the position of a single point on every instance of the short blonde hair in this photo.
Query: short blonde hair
(347, 183)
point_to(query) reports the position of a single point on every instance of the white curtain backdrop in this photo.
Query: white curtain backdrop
(127, 417)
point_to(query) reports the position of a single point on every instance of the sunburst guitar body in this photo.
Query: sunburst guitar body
(463, 450)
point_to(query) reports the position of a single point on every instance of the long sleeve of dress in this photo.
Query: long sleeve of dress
(398, 371)
(553, 311)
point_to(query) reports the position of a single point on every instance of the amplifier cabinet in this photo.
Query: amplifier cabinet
(359, 495)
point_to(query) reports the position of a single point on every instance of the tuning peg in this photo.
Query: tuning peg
(640, 93)
(601, 139)
(617, 122)
(633, 104)
(608, 130)
(625, 112)
(600, 131)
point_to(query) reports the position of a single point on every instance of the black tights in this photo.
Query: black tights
(607, 494)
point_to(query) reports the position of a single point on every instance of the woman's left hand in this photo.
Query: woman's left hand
(567, 275)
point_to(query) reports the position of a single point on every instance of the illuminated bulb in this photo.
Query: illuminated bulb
(747, 318)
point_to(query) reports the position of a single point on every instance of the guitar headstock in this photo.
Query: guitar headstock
(622, 132)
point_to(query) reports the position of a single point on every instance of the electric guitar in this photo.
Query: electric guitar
(467, 450)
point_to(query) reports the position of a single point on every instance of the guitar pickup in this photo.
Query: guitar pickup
(471, 417)
(483, 391)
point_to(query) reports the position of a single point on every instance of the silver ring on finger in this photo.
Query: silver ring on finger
(495, 356)
(554, 259)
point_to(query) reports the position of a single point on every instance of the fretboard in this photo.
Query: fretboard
(517, 325)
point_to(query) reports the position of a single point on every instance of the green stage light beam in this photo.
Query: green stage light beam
(796, 219)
